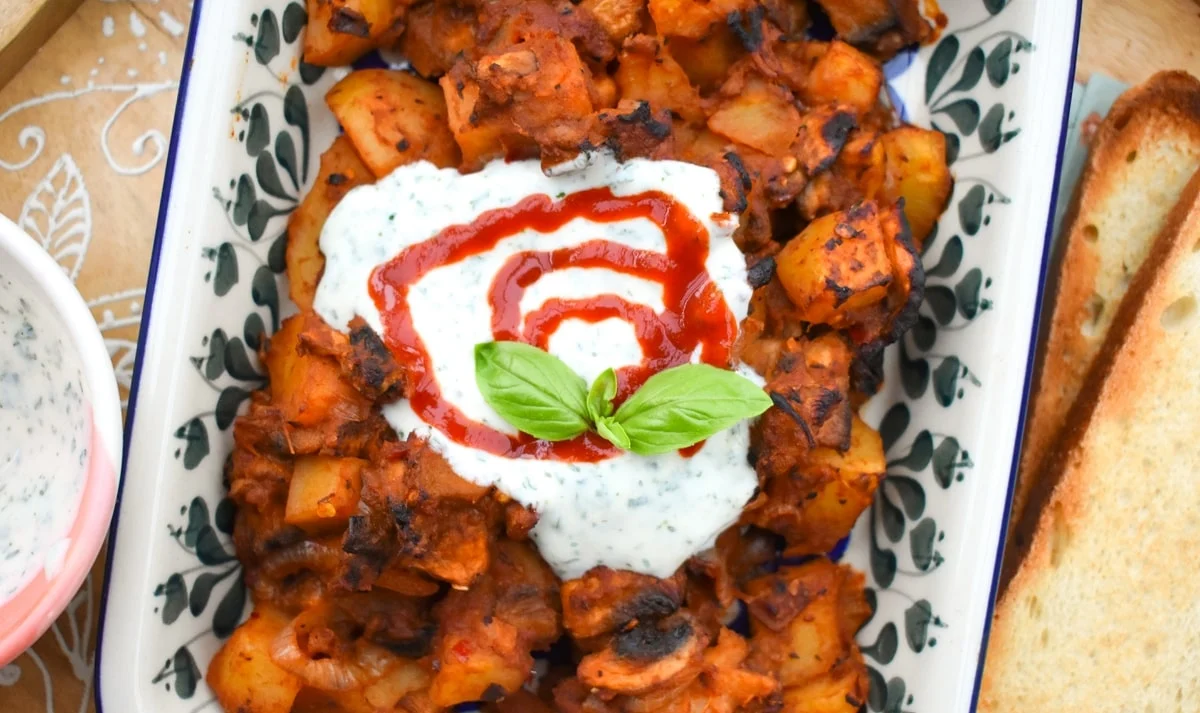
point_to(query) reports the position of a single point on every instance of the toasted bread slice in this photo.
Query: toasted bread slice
(1103, 614)
(1142, 156)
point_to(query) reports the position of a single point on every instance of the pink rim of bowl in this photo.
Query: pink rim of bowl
(40, 602)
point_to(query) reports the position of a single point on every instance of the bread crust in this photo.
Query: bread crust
(1168, 104)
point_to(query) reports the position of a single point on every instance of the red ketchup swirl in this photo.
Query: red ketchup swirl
(695, 315)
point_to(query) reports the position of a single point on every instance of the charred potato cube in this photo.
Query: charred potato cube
(536, 93)
(810, 388)
(814, 506)
(341, 31)
(341, 170)
(481, 137)
(456, 551)
(803, 620)
(823, 132)
(867, 21)
(393, 118)
(837, 265)
(308, 388)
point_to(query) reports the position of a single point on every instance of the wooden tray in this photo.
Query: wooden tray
(25, 25)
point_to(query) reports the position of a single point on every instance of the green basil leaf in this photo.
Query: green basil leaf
(682, 406)
(613, 432)
(531, 389)
(600, 396)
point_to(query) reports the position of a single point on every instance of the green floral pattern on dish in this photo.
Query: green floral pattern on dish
(245, 268)
(900, 524)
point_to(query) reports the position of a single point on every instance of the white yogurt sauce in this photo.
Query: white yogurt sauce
(646, 514)
(43, 439)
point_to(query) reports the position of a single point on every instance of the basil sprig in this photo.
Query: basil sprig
(532, 390)
(676, 408)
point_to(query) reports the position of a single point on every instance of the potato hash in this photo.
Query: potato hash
(382, 580)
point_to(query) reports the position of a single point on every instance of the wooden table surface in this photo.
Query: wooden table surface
(83, 133)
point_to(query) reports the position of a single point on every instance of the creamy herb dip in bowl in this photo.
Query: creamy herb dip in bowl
(60, 440)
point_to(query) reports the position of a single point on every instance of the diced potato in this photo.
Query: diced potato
(688, 18)
(648, 72)
(436, 35)
(341, 31)
(482, 139)
(869, 21)
(393, 118)
(842, 691)
(324, 492)
(761, 116)
(619, 18)
(307, 388)
(243, 676)
(837, 265)
(469, 666)
(864, 457)
(822, 135)
(814, 643)
(341, 169)
(917, 172)
(803, 620)
(707, 60)
(458, 553)
(849, 481)
(509, 103)
(843, 75)
(858, 19)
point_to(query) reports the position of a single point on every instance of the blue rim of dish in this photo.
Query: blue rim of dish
(151, 282)
(1030, 358)
(143, 331)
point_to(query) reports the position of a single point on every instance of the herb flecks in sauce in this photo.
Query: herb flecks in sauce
(43, 438)
(584, 504)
